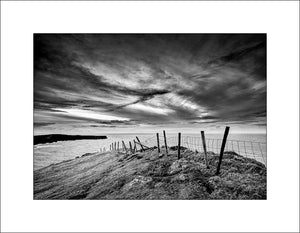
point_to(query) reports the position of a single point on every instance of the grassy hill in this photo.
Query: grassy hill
(150, 175)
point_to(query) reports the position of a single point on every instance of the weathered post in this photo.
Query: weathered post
(118, 146)
(130, 147)
(178, 149)
(124, 146)
(222, 149)
(115, 146)
(158, 148)
(204, 148)
(140, 143)
(110, 147)
(166, 142)
(134, 147)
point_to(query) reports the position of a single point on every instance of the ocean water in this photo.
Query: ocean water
(249, 145)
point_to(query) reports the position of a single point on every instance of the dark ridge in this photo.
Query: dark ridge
(62, 137)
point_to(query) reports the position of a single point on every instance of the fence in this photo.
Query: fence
(249, 149)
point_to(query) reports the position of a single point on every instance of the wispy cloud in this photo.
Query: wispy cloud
(131, 80)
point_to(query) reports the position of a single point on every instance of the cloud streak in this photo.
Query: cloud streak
(167, 79)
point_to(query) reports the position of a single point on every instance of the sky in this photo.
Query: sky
(141, 83)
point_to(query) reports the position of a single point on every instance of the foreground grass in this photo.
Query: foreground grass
(149, 175)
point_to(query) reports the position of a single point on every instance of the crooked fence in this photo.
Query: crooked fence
(249, 149)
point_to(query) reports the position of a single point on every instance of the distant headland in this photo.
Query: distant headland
(39, 139)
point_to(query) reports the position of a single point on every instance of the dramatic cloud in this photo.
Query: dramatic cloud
(129, 81)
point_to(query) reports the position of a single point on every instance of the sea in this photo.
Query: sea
(249, 145)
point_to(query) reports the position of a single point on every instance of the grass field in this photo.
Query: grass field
(152, 175)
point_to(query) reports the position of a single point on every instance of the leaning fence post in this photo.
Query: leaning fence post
(165, 142)
(158, 148)
(130, 147)
(204, 148)
(222, 149)
(178, 149)
(140, 143)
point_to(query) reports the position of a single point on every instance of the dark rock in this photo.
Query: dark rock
(86, 154)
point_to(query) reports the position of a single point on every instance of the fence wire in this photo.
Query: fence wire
(249, 149)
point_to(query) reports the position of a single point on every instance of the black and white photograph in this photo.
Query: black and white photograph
(150, 116)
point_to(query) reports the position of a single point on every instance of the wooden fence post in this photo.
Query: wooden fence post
(158, 148)
(130, 147)
(222, 149)
(140, 143)
(134, 147)
(124, 146)
(204, 148)
(165, 142)
(178, 149)
(109, 147)
(115, 146)
(118, 146)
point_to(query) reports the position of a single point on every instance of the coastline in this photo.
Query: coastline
(49, 138)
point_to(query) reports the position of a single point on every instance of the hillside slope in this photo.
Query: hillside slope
(149, 175)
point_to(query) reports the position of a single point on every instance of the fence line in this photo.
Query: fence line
(249, 149)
